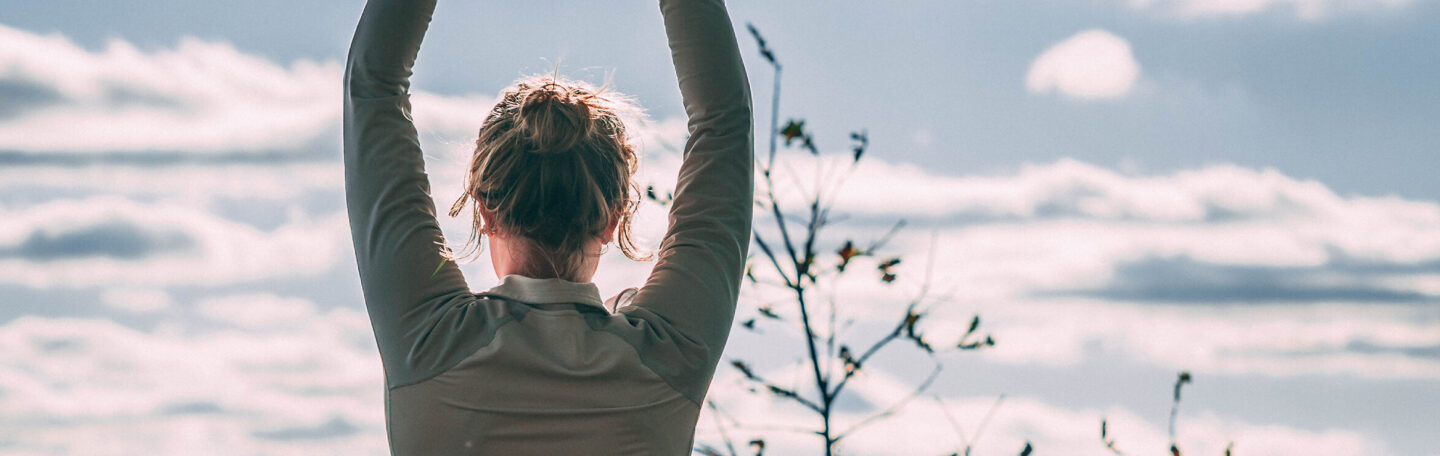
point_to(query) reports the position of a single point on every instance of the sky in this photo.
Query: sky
(1122, 189)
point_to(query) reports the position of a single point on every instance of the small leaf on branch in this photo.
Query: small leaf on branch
(793, 129)
(887, 275)
(911, 333)
(749, 324)
(862, 141)
(756, 33)
(1180, 382)
(744, 369)
(923, 344)
(1026, 451)
(759, 446)
(966, 344)
(1105, 437)
(782, 392)
(768, 312)
(846, 252)
(851, 365)
(764, 49)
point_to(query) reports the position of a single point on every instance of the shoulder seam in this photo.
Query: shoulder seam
(485, 338)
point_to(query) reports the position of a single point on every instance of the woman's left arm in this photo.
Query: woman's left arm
(407, 284)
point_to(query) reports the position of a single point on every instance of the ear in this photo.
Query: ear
(608, 235)
(485, 215)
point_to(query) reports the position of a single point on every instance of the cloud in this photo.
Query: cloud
(1015, 421)
(200, 97)
(21, 96)
(255, 311)
(91, 386)
(1375, 341)
(137, 300)
(1220, 213)
(1303, 9)
(117, 240)
(106, 240)
(1216, 269)
(1093, 64)
(200, 186)
(1187, 281)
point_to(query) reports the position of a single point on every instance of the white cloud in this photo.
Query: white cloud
(1069, 260)
(922, 427)
(197, 97)
(1093, 64)
(139, 300)
(196, 185)
(1273, 340)
(1222, 213)
(1303, 9)
(106, 241)
(89, 386)
(256, 311)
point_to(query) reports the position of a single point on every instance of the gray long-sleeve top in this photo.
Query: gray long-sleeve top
(540, 366)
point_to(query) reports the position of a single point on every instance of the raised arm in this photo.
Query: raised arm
(696, 279)
(407, 284)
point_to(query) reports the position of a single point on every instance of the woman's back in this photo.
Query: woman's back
(553, 377)
(539, 366)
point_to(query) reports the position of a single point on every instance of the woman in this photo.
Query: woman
(537, 364)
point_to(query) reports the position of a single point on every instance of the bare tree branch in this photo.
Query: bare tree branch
(772, 387)
(720, 425)
(893, 407)
(765, 248)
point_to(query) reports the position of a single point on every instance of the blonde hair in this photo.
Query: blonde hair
(554, 165)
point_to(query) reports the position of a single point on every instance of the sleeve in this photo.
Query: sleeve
(693, 288)
(408, 286)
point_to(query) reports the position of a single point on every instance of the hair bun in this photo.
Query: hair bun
(553, 120)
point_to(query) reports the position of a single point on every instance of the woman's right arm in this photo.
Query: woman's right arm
(408, 286)
(696, 280)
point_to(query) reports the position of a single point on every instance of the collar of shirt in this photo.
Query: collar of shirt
(547, 291)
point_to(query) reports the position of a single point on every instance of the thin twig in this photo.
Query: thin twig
(893, 407)
(765, 248)
(773, 387)
(720, 425)
(955, 425)
(878, 243)
(894, 334)
(980, 430)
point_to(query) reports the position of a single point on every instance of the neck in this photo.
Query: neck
(519, 256)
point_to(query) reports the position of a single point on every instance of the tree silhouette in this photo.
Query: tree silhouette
(790, 259)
